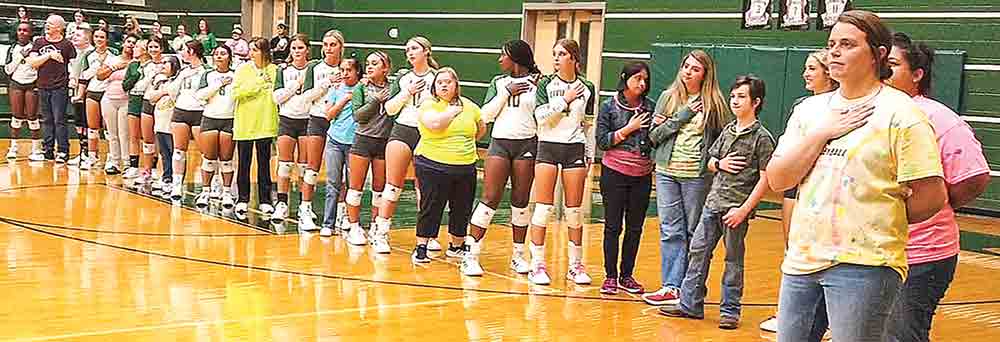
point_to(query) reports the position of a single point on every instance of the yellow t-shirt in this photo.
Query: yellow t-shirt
(851, 207)
(456, 145)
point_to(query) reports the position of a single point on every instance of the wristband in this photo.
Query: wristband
(717, 168)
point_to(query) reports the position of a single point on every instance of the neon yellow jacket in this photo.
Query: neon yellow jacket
(256, 114)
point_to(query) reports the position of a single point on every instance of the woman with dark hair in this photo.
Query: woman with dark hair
(445, 162)
(22, 14)
(293, 121)
(510, 105)
(156, 124)
(368, 150)
(866, 163)
(563, 99)
(101, 55)
(188, 111)
(623, 133)
(255, 124)
(22, 93)
(338, 141)
(78, 21)
(114, 107)
(216, 141)
(205, 36)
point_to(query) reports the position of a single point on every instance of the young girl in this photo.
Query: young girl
(23, 98)
(325, 79)
(689, 116)
(371, 135)
(92, 61)
(255, 124)
(563, 98)
(339, 138)
(135, 89)
(510, 104)
(293, 107)
(114, 106)
(186, 121)
(147, 123)
(163, 109)
(409, 90)
(216, 141)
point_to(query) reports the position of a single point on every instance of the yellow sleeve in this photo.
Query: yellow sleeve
(915, 146)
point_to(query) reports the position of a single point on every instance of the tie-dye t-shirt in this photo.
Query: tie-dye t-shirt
(851, 206)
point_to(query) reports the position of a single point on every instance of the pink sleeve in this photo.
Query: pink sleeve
(118, 75)
(961, 154)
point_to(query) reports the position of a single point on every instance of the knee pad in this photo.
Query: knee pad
(376, 199)
(574, 217)
(93, 133)
(519, 217)
(178, 155)
(34, 125)
(482, 216)
(310, 177)
(541, 215)
(284, 169)
(353, 198)
(148, 148)
(226, 166)
(391, 193)
(209, 165)
(303, 168)
(16, 123)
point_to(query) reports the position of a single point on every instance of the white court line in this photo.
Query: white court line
(259, 318)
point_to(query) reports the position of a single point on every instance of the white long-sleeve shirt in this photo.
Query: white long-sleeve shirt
(513, 117)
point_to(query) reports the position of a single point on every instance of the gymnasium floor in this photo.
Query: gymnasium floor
(87, 260)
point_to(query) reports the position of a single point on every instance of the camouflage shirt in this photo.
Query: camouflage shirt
(730, 190)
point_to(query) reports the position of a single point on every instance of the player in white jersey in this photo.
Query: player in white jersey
(563, 99)
(188, 109)
(510, 105)
(326, 78)
(92, 61)
(147, 121)
(293, 118)
(407, 92)
(23, 97)
(82, 40)
(216, 139)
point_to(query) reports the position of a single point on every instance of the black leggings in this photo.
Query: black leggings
(246, 150)
(437, 188)
(624, 197)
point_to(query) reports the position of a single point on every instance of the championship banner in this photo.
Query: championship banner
(794, 14)
(756, 14)
(829, 10)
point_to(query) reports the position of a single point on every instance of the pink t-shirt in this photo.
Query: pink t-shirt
(961, 158)
(115, 90)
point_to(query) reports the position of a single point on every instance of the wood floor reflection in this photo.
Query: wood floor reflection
(88, 261)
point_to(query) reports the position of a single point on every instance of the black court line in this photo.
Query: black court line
(385, 282)
(54, 226)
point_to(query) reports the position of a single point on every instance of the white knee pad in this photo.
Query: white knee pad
(148, 148)
(391, 193)
(574, 217)
(541, 215)
(353, 198)
(178, 155)
(226, 166)
(285, 169)
(303, 168)
(310, 177)
(519, 217)
(34, 125)
(376, 199)
(482, 216)
(209, 165)
(93, 133)
(16, 123)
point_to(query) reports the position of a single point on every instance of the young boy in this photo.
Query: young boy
(738, 159)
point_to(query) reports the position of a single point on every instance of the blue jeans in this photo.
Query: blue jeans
(854, 301)
(335, 158)
(679, 202)
(166, 144)
(53, 104)
(919, 297)
(706, 237)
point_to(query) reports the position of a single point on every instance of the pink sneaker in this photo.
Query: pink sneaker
(630, 285)
(610, 286)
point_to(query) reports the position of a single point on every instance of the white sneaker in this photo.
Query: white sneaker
(538, 275)
(76, 160)
(265, 208)
(36, 156)
(519, 265)
(201, 201)
(177, 191)
(356, 236)
(380, 243)
(306, 219)
(61, 158)
(157, 183)
(578, 274)
(110, 168)
(241, 209)
(280, 213)
(770, 324)
(326, 232)
(216, 186)
(227, 200)
(87, 163)
(12, 151)
(470, 261)
(433, 245)
(130, 173)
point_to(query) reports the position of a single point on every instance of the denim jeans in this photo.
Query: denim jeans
(53, 104)
(679, 202)
(919, 297)
(854, 301)
(335, 158)
(706, 237)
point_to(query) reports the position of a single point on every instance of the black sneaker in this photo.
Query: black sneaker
(420, 254)
(49, 156)
(455, 251)
(61, 158)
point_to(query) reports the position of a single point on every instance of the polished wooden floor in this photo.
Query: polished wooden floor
(88, 261)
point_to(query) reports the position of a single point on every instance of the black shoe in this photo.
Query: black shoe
(729, 323)
(49, 156)
(676, 311)
(456, 251)
(420, 254)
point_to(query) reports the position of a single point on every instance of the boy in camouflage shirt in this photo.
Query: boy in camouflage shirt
(738, 159)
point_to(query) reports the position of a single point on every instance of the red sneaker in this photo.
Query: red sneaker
(610, 286)
(663, 296)
(630, 285)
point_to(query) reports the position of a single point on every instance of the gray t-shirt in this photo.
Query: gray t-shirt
(369, 112)
(730, 190)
